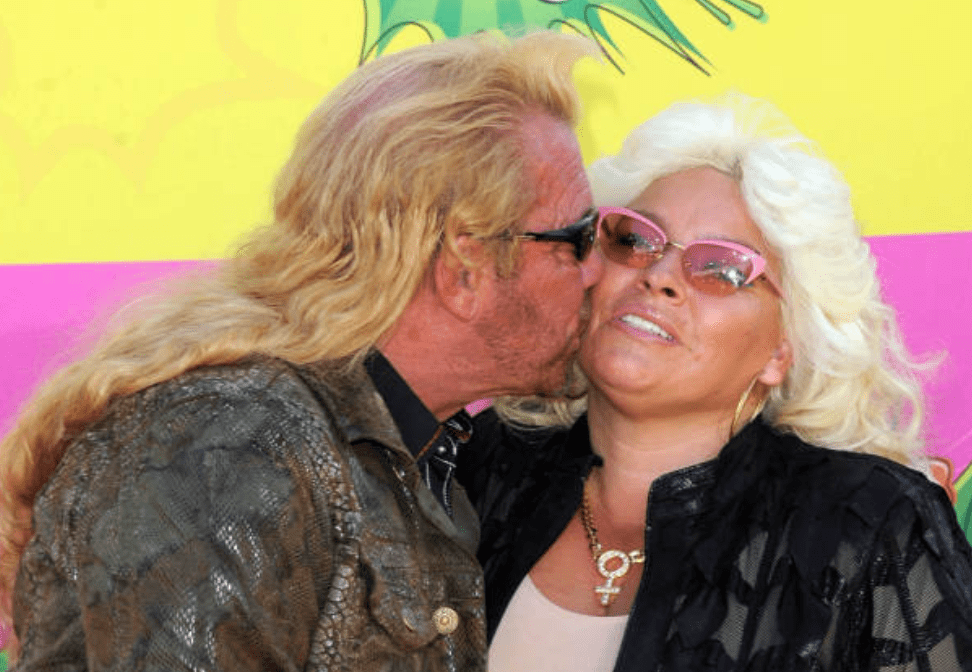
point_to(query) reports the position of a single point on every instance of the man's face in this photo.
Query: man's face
(534, 328)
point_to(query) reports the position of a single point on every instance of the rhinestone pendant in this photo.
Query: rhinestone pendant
(608, 591)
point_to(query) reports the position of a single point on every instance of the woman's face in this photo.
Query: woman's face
(656, 340)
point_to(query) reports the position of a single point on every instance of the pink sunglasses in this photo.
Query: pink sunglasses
(716, 267)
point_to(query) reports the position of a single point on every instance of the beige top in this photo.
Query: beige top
(536, 635)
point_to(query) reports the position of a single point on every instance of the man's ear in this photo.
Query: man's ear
(459, 285)
(774, 373)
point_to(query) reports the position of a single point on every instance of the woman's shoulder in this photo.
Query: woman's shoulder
(869, 498)
(869, 482)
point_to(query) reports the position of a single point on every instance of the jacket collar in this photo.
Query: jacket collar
(690, 491)
(414, 420)
(344, 384)
(362, 416)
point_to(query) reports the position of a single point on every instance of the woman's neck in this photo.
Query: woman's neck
(638, 449)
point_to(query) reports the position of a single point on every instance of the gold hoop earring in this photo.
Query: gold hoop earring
(742, 404)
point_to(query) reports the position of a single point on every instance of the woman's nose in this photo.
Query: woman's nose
(665, 274)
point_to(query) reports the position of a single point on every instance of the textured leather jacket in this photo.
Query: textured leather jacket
(777, 556)
(255, 516)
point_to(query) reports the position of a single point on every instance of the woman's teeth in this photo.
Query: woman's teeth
(641, 324)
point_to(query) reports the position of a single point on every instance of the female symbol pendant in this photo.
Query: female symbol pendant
(608, 591)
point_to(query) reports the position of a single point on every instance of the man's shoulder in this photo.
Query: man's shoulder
(237, 399)
(265, 380)
(258, 418)
(225, 403)
(196, 486)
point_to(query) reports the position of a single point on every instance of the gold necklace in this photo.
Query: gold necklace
(608, 591)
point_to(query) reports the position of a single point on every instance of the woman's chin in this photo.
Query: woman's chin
(621, 378)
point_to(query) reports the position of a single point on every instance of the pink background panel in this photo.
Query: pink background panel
(926, 277)
(47, 313)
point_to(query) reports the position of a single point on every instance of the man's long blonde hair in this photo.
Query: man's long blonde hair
(410, 151)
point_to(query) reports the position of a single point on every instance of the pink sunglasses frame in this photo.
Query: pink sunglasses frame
(757, 260)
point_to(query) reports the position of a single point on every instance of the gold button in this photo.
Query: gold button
(446, 620)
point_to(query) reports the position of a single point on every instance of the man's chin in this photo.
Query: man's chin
(570, 385)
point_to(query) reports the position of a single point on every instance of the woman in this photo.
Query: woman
(734, 497)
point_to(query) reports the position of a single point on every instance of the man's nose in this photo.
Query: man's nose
(592, 268)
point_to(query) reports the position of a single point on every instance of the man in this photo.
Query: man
(256, 474)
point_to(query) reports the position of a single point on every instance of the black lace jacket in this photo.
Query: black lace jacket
(776, 556)
(258, 516)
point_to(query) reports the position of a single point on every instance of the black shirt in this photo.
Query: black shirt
(435, 446)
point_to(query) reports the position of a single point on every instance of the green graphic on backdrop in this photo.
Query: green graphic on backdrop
(963, 503)
(441, 19)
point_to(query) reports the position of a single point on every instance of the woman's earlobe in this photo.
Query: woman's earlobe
(775, 370)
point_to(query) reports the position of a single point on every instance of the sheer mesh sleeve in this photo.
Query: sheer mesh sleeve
(920, 590)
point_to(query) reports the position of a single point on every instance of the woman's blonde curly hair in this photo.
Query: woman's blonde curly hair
(852, 386)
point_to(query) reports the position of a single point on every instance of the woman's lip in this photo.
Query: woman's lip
(644, 323)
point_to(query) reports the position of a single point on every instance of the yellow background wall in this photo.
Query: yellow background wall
(136, 130)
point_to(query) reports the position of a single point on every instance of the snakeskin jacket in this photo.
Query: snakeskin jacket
(254, 516)
(777, 556)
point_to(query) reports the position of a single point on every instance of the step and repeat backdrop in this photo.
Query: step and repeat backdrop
(139, 140)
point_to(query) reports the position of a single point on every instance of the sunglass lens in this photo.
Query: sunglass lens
(630, 241)
(715, 269)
